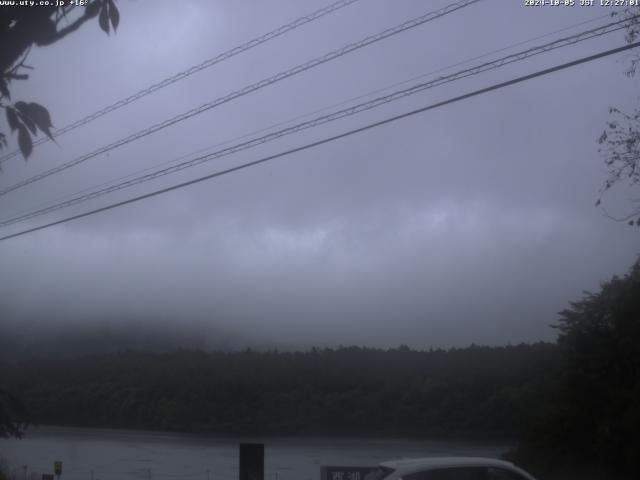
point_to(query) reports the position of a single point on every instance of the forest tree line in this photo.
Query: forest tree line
(350, 390)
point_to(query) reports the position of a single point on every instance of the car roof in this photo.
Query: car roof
(410, 465)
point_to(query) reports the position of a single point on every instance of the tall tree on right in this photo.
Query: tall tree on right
(600, 341)
(593, 420)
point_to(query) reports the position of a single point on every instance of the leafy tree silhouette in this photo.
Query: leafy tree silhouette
(620, 141)
(600, 339)
(21, 28)
(593, 421)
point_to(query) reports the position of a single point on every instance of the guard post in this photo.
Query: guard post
(57, 468)
(251, 461)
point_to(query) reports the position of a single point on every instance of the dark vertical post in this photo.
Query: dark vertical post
(251, 461)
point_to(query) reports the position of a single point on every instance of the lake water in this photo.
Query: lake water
(121, 454)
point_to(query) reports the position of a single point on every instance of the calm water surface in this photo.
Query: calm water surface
(118, 454)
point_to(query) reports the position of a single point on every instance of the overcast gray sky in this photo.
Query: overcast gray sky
(470, 223)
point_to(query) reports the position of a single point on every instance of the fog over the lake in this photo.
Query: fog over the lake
(472, 223)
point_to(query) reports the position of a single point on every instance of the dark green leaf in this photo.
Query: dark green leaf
(104, 18)
(22, 107)
(114, 15)
(12, 119)
(24, 141)
(29, 123)
(40, 115)
(92, 9)
(23, 111)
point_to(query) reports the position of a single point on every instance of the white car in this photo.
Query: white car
(448, 468)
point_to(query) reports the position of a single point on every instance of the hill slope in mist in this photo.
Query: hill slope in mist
(54, 339)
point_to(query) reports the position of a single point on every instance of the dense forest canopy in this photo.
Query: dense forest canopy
(347, 390)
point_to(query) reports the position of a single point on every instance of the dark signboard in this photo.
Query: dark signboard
(345, 473)
(251, 461)
(47, 476)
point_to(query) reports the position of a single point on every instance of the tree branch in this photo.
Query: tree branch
(89, 12)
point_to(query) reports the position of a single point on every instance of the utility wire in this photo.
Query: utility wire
(346, 112)
(433, 106)
(251, 88)
(308, 114)
(190, 71)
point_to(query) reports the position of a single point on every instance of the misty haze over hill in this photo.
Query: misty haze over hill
(45, 338)
(71, 339)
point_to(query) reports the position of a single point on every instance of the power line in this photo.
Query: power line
(251, 88)
(333, 138)
(355, 109)
(323, 109)
(190, 71)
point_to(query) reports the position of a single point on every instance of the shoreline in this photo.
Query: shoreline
(456, 438)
